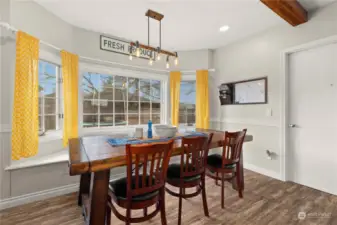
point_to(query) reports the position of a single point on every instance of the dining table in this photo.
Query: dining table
(92, 158)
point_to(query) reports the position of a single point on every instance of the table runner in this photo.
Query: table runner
(125, 141)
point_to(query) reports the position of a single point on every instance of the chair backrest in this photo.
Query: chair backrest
(232, 146)
(194, 155)
(150, 162)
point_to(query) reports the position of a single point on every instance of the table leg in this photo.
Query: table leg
(240, 174)
(99, 197)
(84, 187)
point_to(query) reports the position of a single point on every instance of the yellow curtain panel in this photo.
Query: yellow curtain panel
(175, 78)
(70, 95)
(25, 123)
(202, 105)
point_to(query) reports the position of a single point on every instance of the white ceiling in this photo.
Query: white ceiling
(187, 25)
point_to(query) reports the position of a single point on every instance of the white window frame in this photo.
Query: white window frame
(58, 100)
(189, 77)
(51, 141)
(106, 70)
(54, 58)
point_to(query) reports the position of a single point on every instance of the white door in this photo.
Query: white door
(312, 116)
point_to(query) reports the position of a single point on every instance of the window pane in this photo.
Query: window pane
(133, 119)
(183, 118)
(155, 90)
(90, 106)
(40, 106)
(106, 120)
(120, 120)
(47, 79)
(120, 107)
(90, 86)
(50, 106)
(145, 92)
(105, 106)
(133, 107)
(144, 118)
(155, 107)
(40, 123)
(144, 107)
(90, 121)
(120, 88)
(190, 108)
(133, 89)
(106, 87)
(190, 119)
(187, 102)
(50, 122)
(155, 118)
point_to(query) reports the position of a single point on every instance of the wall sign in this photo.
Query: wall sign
(121, 47)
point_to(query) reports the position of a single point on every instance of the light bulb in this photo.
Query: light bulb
(150, 62)
(137, 52)
(167, 65)
(176, 61)
(158, 56)
(130, 57)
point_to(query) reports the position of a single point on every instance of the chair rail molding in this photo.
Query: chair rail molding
(252, 122)
(284, 90)
(5, 128)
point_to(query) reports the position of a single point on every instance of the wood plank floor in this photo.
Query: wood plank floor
(266, 201)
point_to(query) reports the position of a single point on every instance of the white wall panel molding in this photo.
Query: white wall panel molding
(5, 128)
(251, 122)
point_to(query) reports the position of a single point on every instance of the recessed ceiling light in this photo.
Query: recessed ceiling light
(224, 28)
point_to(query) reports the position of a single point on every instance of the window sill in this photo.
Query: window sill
(61, 156)
(51, 136)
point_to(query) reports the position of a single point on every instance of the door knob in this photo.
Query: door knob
(292, 125)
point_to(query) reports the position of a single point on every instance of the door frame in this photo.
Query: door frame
(284, 103)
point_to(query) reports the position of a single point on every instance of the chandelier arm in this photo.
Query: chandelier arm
(148, 30)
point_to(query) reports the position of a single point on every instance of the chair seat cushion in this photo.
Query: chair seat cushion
(119, 189)
(173, 173)
(215, 161)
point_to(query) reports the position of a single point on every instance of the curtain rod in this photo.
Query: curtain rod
(9, 27)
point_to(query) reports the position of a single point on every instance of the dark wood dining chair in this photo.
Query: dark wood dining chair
(227, 164)
(144, 185)
(191, 170)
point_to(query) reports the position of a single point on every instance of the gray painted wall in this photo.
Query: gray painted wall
(35, 20)
(259, 56)
(253, 57)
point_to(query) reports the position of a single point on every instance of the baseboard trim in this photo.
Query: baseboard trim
(37, 196)
(262, 171)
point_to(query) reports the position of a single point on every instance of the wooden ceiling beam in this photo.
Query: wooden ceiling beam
(290, 10)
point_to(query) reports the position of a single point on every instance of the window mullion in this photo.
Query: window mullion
(113, 100)
(99, 102)
(150, 102)
(57, 108)
(139, 111)
(43, 103)
(127, 102)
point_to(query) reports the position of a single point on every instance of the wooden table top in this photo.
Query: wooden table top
(94, 153)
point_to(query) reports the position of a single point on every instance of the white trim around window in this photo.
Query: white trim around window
(94, 68)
